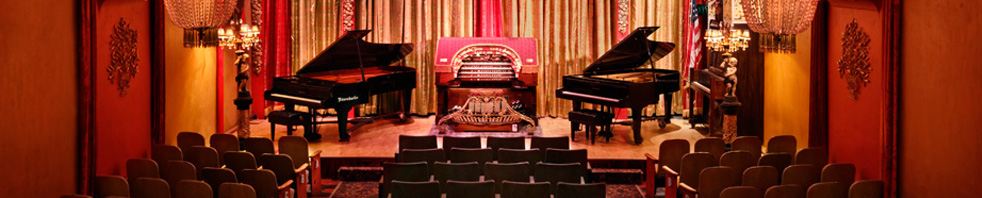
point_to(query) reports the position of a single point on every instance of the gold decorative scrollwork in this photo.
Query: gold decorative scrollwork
(623, 15)
(124, 61)
(854, 65)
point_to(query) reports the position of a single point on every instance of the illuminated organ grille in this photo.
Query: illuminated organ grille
(486, 67)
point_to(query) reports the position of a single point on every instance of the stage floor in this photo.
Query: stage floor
(380, 139)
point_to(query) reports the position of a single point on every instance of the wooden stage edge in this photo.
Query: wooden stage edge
(379, 140)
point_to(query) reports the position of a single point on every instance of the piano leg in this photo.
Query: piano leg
(636, 124)
(668, 111)
(574, 126)
(407, 98)
(343, 122)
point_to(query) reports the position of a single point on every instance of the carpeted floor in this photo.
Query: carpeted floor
(370, 190)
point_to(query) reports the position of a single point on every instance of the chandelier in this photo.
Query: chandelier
(238, 36)
(199, 19)
(778, 21)
(727, 40)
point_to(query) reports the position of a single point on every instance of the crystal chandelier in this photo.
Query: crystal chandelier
(778, 21)
(199, 19)
(238, 36)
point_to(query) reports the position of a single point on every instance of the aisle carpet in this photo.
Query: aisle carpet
(370, 190)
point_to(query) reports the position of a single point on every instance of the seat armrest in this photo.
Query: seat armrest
(284, 190)
(687, 190)
(302, 168)
(649, 157)
(668, 171)
(316, 154)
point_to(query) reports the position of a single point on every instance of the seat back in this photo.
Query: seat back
(111, 185)
(495, 143)
(543, 143)
(532, 156)
(296, 147)
(738, 160)
(140, 168)
(713, 180)
(224, 143)
(409, 171)
(187, 139)
(750, 144)
(215, 177)
(469, 142)
(670, 153)
(693, 164)
(470, 171)
(814, 156)
(238, 161)
(192, 189)
(236, 190)
(469, 189)
(500, 172)
(202, 157)
(162, 153)
(511, 189)
(146, 187)
(417, 142)
(828, 190)
(784, 191)
(429, 156)
(479, 155)
(839, 172)
(800, 174)
(75, 196)
(258, 146)
(761, 177)
(555, 173)
(174, 171)
(866, 189)
(711, 145)
(404, 189)
(741, 192)
(576, 190)
(280, 164)
(776, 160)
(782, 144)
(562, 156)
(263, 181)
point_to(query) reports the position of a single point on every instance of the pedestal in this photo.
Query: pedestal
(729, 107)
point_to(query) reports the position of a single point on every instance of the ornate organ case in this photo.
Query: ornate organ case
(471, 70)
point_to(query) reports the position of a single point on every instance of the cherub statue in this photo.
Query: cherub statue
(730, 66)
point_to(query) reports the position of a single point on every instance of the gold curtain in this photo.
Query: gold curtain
(570, 35)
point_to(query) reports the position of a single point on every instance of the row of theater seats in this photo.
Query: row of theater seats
(462, 168)
(743, 171)
(194, 170)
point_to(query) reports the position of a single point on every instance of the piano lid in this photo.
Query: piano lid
(343, 54)
(632, 52)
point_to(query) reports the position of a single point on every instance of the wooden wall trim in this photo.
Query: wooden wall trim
(85, 154)
(892, 16)
(818, 116)
(158, 20)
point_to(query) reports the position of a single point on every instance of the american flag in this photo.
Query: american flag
(693, 43)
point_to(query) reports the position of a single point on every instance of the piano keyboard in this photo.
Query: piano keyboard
(315, 101)
(614, 100)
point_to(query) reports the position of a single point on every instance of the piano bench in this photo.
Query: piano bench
(592, 119)
(288, 118)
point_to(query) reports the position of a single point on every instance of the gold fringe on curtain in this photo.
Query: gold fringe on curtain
(570, 34)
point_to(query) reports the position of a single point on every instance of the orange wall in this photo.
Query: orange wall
(190, 88)
(940, 138)
(38, 82)
(855, 126)
(122, 122)
(786, 91)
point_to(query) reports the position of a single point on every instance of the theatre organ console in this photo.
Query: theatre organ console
(486, 83)
(616, 79)
(345, 74)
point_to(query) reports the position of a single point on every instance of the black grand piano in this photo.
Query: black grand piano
(617, 79)
(346, 74)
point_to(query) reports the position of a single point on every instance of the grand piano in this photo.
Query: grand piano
(617, 79)
(345, 74)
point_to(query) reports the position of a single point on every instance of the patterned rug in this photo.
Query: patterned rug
(370, 190)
